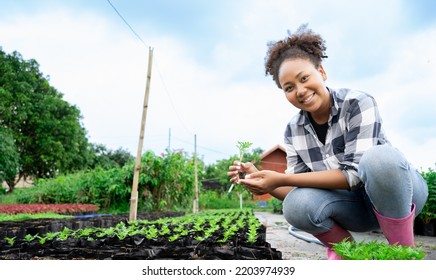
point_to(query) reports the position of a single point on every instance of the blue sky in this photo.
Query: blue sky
(208, 77)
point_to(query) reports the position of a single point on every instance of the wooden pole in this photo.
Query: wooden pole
(169, 139)
(195, 208)
(134, 193)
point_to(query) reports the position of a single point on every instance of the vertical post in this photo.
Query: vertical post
(134, 193)
(195, 208)
(169, 139)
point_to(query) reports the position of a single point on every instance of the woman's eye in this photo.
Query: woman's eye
(304, 78)
(288, 89)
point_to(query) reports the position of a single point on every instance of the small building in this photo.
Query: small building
(273, 159)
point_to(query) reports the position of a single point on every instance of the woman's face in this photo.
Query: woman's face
(304, 86)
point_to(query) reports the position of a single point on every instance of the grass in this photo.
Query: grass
(23, 217)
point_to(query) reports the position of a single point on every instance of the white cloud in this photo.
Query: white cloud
(101, 67)
(406, 96)
(219, 111)
(96, 66)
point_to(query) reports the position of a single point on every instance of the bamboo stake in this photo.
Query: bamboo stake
(134, 193)
(195, 208)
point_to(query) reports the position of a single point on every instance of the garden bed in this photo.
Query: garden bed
(210, 235)
(65, 208)
(20, 229)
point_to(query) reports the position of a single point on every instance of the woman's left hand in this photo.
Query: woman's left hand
(262, 182)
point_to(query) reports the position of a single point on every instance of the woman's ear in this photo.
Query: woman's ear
(322, 71)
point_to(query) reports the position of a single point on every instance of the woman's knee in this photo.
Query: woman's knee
(381, 161)
(315, 210)
(290, 206)
(299, 206)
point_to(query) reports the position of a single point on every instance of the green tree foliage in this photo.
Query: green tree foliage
(8, 156)
(166, 183)
(47, 131)
(120, 157)
(166, 180)
(107, 158)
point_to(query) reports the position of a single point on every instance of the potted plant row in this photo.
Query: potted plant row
(235, 234)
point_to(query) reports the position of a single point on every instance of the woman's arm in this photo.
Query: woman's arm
(267, 181)
(280, 192)
(327, 179)
(249, 168)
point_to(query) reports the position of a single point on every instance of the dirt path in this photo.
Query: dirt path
(293, 248)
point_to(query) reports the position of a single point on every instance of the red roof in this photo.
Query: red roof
(276, 147)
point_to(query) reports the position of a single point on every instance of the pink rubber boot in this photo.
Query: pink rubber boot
(333, 236)
(398, 231)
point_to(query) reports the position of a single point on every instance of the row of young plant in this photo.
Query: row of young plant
(215, 226)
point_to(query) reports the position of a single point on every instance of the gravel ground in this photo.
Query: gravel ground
(293, 248)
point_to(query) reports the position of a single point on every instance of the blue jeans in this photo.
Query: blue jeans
(391, 186)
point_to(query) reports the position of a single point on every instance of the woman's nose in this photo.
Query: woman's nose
(300, 90)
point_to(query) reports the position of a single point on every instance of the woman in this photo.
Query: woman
(346, 174)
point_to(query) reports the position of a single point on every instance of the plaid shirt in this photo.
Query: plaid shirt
(355, 126)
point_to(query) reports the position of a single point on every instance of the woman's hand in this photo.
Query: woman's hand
(240, 168)
(262, 182)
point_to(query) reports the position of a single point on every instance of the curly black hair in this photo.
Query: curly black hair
(304, 43)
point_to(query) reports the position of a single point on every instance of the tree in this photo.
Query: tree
(107, 158)
(8, 156)
(47, 131)
(120, 157)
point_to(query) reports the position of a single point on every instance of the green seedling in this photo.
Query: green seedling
(243, 147)
(30, 237)
(252, 234)
(375, 250)
(10, 240)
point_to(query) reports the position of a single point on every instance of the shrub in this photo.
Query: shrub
(429, 210)
(211, 199)
(166, 183)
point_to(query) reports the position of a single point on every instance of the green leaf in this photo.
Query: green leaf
(375, 250)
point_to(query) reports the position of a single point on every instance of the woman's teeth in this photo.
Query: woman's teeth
(308, 99)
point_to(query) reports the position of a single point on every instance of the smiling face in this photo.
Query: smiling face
(303, 84)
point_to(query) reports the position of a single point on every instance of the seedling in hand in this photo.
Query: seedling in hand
(243, 147)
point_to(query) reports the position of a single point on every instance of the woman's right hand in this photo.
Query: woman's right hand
(240, 167)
